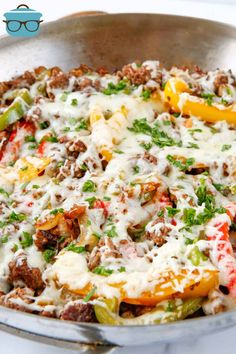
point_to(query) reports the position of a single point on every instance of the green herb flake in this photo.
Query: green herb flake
(122, 269)
(4, 239)
(64, 96)
(192, 146)
(27, 240)
(90, 294)
(57, 211)
(180, 165)
(48, 255)
(74, 102)
(44, 125)
(30, 139)
(2, 191)
(82, 126)
(208, 97)
(136, 169)
(16, 217)
(100, 270)
(146, 94)
(172, 211)
(118, 151)
(91, 201)
(146, 146)
(112, 232)
(89, 186)
(113, 89)
(226, 147)
(74, 248)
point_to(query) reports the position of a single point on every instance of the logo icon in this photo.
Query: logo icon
(23, 21)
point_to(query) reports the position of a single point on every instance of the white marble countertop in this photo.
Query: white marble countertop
(220, 10)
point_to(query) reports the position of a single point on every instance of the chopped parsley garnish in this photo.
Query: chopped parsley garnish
(136, 169)
(2, 191)
(74, 102)
(106, 198)
(32, 146)
(112, 232)
(16, 217)
(103, 271)
(159, 137)
(146, 146)
(25, 168)
(118, 151)
(222, 188)
(27, 240)
(114, 89)
(74, 248)
(90, 294)
(172, 211)
(44, 125)
(193, 131)
(122, 269)
(50, 139)
(82, 126)
(192, 146)
(66, 129)
(30, 139)
(182, 166)
(35, 186)
(57, 211)
(48, 255)
(64, 96)
(89, 186)
(91, 200)
(15, 248)
(146, 94)
(208, 97)
(226, 147)
(4, 239)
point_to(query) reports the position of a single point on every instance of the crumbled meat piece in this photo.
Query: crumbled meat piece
(138, 76)
(220, 80)
(20, 271)
(158, 240)
(81, 70)
(194, 171)
(150, 158)
(58, 79)
(79, 312)
(70, 169)
(102, 71)
(94, 259)
(23, 294)
(225, 169)
(74, 148)
(23, 81)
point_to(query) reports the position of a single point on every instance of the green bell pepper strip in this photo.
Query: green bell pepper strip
(17, 109)
(106, 312)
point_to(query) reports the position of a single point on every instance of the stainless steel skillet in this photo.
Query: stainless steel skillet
(111, 41)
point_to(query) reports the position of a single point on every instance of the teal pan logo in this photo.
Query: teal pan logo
(23, 21)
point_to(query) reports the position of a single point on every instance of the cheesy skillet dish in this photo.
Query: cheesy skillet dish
(118, 193)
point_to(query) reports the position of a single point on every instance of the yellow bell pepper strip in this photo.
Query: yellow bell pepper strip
(106, 312)
(29, 170)
(195, 286)
(176, 94)
(16, 110)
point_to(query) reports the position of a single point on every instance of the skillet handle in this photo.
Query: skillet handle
(84, 13)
